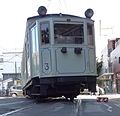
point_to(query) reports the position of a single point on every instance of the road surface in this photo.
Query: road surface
(59, 107)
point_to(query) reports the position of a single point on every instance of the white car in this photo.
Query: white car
(85, 92)
(15, 91)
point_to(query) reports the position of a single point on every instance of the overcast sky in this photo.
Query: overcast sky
(13, 15)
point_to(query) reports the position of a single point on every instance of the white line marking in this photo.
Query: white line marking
(79, 109)
(58, 108)
(118, 105)
(109, 107)
(8, 113)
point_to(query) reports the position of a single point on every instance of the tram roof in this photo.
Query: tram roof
(53, 15)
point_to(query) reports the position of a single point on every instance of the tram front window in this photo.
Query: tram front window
(45, 33)
(90, 34)
(68, 33)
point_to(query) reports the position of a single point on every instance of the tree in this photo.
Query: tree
(99, 66)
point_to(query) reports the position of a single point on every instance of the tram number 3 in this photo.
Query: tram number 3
(46, 66)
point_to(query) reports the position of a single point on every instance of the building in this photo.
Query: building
(10, 68)
(10, 79)
(115, 61)
(107, 75)
(104, 58)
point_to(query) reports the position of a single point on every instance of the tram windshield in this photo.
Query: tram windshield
(68, 33)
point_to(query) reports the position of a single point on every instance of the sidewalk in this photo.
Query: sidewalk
(4, 97)
(110, 96)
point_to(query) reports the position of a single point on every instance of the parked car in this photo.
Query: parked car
(15, 91)
(85, 92)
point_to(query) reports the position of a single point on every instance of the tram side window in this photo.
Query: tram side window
(90, 34)
(45, 33)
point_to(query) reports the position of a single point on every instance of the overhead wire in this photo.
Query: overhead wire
(66, 8)
(49, 3)
(60, 5)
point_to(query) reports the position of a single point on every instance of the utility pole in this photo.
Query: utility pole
(100, 28)
(15, 67)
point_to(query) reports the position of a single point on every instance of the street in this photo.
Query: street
(11, 105)
(59, 107)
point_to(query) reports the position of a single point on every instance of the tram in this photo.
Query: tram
(59, 56)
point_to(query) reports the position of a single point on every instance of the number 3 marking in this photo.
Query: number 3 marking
(46, 66)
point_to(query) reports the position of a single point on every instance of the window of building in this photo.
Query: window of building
(45, 33)
(68, 33)
(90, 34)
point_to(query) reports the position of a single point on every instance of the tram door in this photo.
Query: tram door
(45, 48)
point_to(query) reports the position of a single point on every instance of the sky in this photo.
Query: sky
(13, 15)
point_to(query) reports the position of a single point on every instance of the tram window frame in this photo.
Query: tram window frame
(71, 38)
(27, 50)
(90, 34)
(46, 33)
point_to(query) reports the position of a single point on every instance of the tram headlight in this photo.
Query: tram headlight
(42, 10)
(89, 13)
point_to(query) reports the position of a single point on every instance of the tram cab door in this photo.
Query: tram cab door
(45, 33)
(45, 47)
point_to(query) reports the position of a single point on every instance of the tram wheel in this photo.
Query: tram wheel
(71, 99)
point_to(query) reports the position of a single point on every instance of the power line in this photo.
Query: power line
(12, 52)
(65, 5)
(49, 3)
(60, 5)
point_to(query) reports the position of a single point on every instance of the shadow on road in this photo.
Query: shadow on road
(55, 100)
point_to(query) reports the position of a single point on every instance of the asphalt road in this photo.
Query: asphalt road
(12, 105)
(58, 107)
